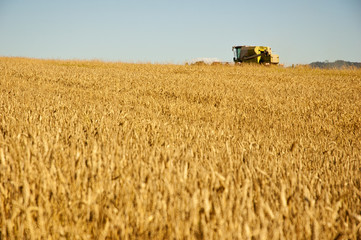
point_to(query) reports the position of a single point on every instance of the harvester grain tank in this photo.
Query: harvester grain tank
(254, 54)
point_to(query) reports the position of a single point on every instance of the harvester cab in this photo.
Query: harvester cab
(254, 54)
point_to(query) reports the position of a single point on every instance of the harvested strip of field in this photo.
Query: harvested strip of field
(93, 150)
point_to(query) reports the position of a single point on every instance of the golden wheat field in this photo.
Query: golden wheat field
(95, 150)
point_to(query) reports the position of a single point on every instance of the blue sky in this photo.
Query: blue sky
(175, 31)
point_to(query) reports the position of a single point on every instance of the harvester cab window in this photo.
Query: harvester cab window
(238, 53)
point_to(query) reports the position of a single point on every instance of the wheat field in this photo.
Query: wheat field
(96, 150)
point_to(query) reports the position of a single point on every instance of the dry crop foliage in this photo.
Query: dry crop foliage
(93, 150)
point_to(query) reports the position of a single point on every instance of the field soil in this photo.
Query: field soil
(95, 150)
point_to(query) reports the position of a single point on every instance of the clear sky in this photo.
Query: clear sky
(175, 31)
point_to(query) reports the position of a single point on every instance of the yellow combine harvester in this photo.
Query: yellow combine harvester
(254, 54)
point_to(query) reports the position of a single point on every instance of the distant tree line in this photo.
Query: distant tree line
(336, 64)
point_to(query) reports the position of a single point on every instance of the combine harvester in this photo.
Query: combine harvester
(254, 54)
(244, 54)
